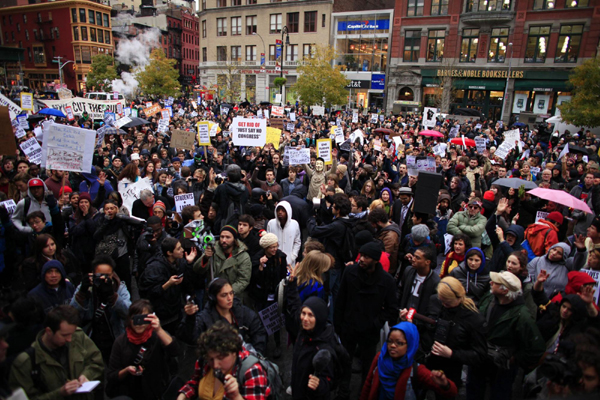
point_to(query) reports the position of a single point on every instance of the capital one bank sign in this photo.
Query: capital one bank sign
(366, 25)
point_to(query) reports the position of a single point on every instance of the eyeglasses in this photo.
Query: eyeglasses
(473, 207)
(395, 343)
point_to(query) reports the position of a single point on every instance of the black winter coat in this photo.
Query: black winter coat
(428, 289)
(332, 236)
(263, 283)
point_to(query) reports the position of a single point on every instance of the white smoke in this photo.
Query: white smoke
(134, 52)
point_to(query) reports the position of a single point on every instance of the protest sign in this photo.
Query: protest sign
(183, 200)
(511, 137)
(299, 157)
(324, 150)
(271, 318)
(152, 110)
(292, 116)
(224, 109)
(181, 112)
(286, 156)
(22, 120)
(33, 150)
(13, 109)
(426, 165)
(249, 132)
(214, 129)
(9, 205)
(203, 134)
(377, 144)
(109, 118)
(27, 101)
(355, 117)
(277, 123)
(259, 113)
(318, 110)
(165, 114)
(181, 139)
(19, 133)
(69, 112)
(564, 151)
(273, 136)
(339, 135)
(429, 117)
(68, 148)
(596, 275)
(411, 161)
(478, 127)
(374, 118)
(357, 134)
(163, 125)
(79, 105)
(503, 150)
(290, 127)
(131, 192)
(8, 147)
(534, 170)
(540, 215)
(480, 143)
(277, 111)
(148, 104)
(122, 121)
(119, 108)
(134, 112)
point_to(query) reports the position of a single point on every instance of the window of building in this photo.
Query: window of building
(293, 20)
(221, 53)
(84, 35)
(12, 34)
(221, 26)
(251, 22)
(82, 15)
(544, 4)
(310, 21)
(29, 54)
(56, 32)
(100, 36)
(569, 42)
(412, 46)
(86, 55)
(577, 3)
(291, 52)
(98, 18)
(35, 34)
(93, 34)
(18, 27)
(204, 55)
(25, 18)
(307, 50)
(91, 17)
(41, 35)
(236, 2)
(250, 2)
(439, 7)
(250, 53)
(73, 15)
(236, 26)
(488, 5)
(27, 34)
(204, 28)
(435, 45)
(537, 44)
(221, 3)
(106, 20)
(415, 7)
(39, 18)
(275, 26)
(107, 37)
(272, 52)
(38, 55)
(323, 20)
(468, 48)
(10, 19)
(498, 45)
(236, 53)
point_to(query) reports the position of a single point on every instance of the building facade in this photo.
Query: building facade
(235, 34)
(468, 53)
(190, 52)
(74, 30)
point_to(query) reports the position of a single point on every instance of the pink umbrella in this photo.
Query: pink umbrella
(561, 197)
(429, 132)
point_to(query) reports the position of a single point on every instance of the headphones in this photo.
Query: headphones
(211, 298)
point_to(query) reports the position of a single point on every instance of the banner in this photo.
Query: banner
(183, 200)
(273, 136)
(94, 108)
(68, 148)
(132, 192)
(249, 131)
(203, 134)
(299, 157)
(13, 109)
(324, 150)
(27, 101)
(33, 150)
(181, 139)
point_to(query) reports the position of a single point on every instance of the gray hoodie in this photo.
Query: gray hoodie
(19, 213)
(557, 271)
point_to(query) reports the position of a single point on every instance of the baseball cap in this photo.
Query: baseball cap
(555, 216)
(35, 182)
(507, 279)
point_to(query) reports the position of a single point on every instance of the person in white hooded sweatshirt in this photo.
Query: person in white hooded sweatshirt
(287, 231)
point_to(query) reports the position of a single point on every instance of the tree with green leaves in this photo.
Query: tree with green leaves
(159, 77)
(320, 79)
(102, 73)
(582, 110)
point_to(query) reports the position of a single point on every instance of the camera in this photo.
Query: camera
(560, 370)
(102, 279)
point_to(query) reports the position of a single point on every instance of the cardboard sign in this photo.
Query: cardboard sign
(153, 110)
(9, 205)
(298, 157)
(271, 318)
(8, 147)
(203, 134)
(13, 109)
(69, 112)
(277, 111)
(324, 150)
(68, 148)
(249, 131)
(273, 136)
(318, 110)
(183, 200)
(132, 192)
(27, 101)
(181, 139)
(33, 150)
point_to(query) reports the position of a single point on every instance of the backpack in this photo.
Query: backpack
(346, 252)
(235, 209)
(533, 245)
(274, 380)
(36, 372)
(342, 363)
(26, 207)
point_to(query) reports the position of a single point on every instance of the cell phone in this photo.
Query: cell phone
(220, 375)
(140, 319)
(179, 276)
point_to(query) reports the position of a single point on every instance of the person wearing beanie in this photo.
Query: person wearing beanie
(469, 222)
(388, 233)
(228, 258)
(269, 268)
(488, 206)
(36, 200)
(366, 300)
(443, 214)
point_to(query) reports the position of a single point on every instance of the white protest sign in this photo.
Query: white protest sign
(259, 113)
(163, 125)
(20, 132)
(448, 242)
(374, 118)
(596, 276)
(377, 144)
(94, 108)
(266, 114)
(183, 200)
(165, 114)
(69, 112)
(9, 205)
(33, 150)
(324, 150)
(132, 192)
(203, 134)
(339, 135)
(429, 117)
(540, 215)
(357, 134)
(511, 137)
(13, 109)
(534, 170)
(426, 165)
(298, 157)
(23, 123)
(27, 101)
(214, 130)
(277, 111)
(291, 127)
(271, 318)
(480, 143)
(292, 116)
(318, 110)
(68, 148)
(134, 112)
(249, 131)
(355, 117)
(411, 161)
(127, 111)
(122, 121)
(478, 127)
(564, 151)
(119, 108)
(181, 111)
(503, 150)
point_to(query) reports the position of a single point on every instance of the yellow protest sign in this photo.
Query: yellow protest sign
(273, 136)
(324, 150)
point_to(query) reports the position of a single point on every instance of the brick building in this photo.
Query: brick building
(190, 51)
(75, 30)
(454, 53)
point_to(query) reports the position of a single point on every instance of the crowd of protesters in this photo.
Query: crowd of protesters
(481, 293)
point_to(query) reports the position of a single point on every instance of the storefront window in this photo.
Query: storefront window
(412, 46)
(251, 88)
(577, 3)
(468, 48)
(569, 42)
(439, 7)
(363, 54)
(415, 7)
(544, 4)
(537, 44)
(498, 44)
(488, 5)
(435, 45)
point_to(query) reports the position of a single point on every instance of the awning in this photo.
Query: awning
(472, 84)
(542, 85)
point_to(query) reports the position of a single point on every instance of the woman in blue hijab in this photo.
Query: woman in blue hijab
(391, 376)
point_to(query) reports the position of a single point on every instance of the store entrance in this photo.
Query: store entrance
(375, 101)
(488, 102)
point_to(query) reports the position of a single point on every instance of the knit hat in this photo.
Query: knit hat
(158, 204)
(555, 216)
(372, 250)
(176, 159)
(507, 279)
(444, 196)
(268, 239)
(85, 196)
(489, 196)
(363, 237)
(459, 168)
(35, 182)
(65, 189)
(419, 232)
(230, 229)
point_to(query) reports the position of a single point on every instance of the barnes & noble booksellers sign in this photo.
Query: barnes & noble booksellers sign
(479, 73)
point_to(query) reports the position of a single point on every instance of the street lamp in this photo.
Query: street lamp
(284, 31)
(60, 67)
(262, 66)
(507, 79)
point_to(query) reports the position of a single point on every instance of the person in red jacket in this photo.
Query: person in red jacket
(391, 376)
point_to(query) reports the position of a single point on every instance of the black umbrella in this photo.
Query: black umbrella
(575, 149)
(245, 104)
(135, 121)
(265, 103)
(35, 117)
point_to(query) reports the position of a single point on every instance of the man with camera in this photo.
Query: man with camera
(103, 302)
(148, 244)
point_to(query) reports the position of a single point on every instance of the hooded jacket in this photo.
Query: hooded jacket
(229, 192)
(333, 236)
(476, 283)
(19, 214)
(50, 298)
(236, 268)
(557, 271)
(502, 249)
(301, 209)
(539, 241)
(288, 236)
(91, 185)
(264, 283)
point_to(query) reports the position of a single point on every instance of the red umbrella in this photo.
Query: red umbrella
(385, 131)
(429, 132)
(467, 142)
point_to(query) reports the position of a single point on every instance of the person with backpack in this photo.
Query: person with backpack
(226, 369)
(231, 197)
(37, 199)
(542, 235)
(394, 374)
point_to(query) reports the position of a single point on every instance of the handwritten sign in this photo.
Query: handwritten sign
(540, 215)
(27, 101)
(249, 132)
(271, 318)
(273, 136)
(9, 205)
(426, 165)
(324, 150)
(277, 111)
(183, 200)
(182, 139)
(69, 148)
(203, 134)
(132, 192)
(94, 108)
(339, 135)
(152, 110)
(32, 150)
(480, 143)
(318, 110)
(298, 157)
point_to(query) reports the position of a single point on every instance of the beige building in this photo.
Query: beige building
(240, 41)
